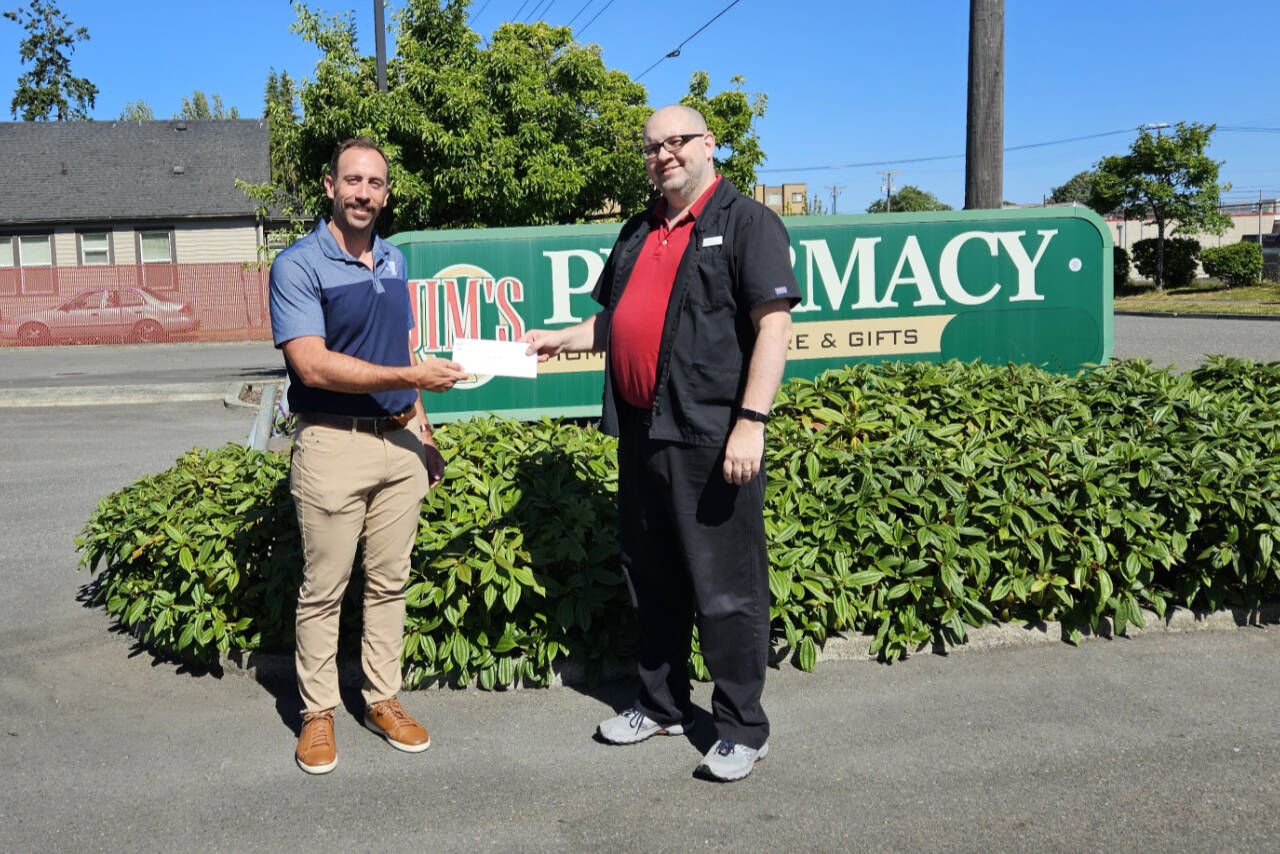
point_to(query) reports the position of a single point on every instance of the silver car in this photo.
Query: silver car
(132, 314)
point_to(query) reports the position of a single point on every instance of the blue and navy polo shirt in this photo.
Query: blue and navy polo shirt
(318, 289)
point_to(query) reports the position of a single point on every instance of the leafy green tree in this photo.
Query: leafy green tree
(137, 111)
(814, 206)
(731, 117)
(280, 107)
(198, 107)
(1168, 180)
(908, 198)
(280, 96)
(49, 90)
(1078, 189)
(531, 130)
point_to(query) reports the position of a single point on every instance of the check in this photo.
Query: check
(495, 358)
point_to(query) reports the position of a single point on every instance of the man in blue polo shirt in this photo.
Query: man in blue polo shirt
(363, 456)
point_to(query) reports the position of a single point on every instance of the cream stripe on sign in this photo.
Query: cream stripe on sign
(889, 336)
(572, 363)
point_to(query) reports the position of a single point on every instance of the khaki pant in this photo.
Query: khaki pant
(349, 488)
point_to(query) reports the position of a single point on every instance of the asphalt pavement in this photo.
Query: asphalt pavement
(1163, 741)
(1184, 342)
(133, 373)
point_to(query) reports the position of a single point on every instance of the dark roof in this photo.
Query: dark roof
(128, 170)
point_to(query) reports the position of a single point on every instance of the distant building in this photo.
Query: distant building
(786, 200)
(1247, 222)
(150, 204)
(1252, 222)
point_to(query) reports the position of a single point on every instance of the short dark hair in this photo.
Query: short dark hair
(357, 142)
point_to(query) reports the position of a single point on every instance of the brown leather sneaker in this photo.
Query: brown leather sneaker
(391, 722)
(317, 751)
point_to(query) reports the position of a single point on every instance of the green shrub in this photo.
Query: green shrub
(204, 556)
(1238, 265)
(514, 565)
(1181, 255)
(516, 562)
(908, 502)
(1121, 268)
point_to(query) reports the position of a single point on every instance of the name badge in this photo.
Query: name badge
(712, 241)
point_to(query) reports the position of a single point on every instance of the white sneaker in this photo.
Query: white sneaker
(727, 761)
(632, 727)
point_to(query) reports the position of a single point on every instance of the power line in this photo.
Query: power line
(944, 156)
(518, 11)
(597, 15)
(580, 11)
(835, 191)
(888, 188)
(676, 52)
(540, 13)
(1009, 148)
(481, 12)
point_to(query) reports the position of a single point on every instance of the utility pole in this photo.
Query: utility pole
(380, 43)
(984, 137)
(887, 186)
(835, 191)
(1155, 126)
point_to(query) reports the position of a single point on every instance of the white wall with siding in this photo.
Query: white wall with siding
(210, 242)
(1127, 233)
(123, 245)
(65, 249)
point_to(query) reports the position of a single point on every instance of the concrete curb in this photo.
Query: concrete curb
(278, 666)
(1004, 635)
(1196, 315)
(233, 400)
(105, 395)
(112, 394)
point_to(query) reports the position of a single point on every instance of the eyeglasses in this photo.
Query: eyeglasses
(671, 144)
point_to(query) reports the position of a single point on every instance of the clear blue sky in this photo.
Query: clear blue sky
(848, 81)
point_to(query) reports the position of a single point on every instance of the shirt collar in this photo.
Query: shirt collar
(329, 245)
(695, 210)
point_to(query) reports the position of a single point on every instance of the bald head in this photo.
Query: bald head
(686, 117)
(686, 169)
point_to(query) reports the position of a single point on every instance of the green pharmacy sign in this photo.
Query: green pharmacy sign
(1027, 286)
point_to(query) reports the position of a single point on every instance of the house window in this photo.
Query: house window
(95, 248)
(155, 247)
(797, 198)
(35, 250)
(773, 197)
(26, 265)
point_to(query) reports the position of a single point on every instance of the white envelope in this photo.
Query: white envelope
(495, 358)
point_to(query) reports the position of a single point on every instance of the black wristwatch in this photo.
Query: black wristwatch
(752, 415)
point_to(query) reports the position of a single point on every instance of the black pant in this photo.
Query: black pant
(694, 544)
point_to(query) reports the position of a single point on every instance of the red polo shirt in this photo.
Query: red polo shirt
(636, 329)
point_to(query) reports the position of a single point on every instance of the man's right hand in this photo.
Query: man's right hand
(545, 343)
(582, 337)
(437, 374)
